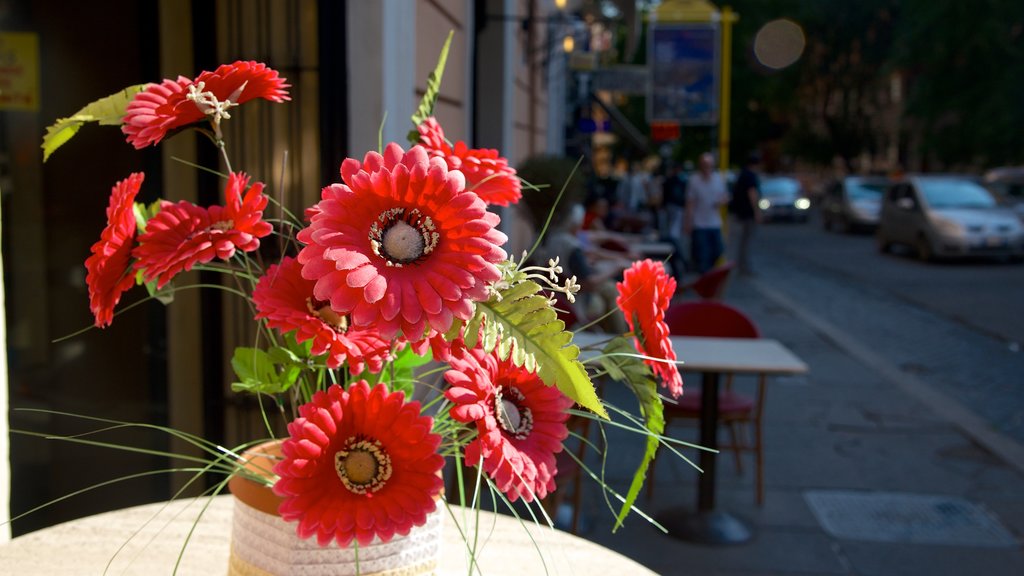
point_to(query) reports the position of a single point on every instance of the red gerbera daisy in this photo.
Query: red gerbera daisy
(359, 464)
(644, 295)
(401, 245)
(182, 235)
(109, 272)
(521, 421)
(285, 299)
(163, 107)
(487, 172)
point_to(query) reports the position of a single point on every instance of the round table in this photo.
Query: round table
(147, 540)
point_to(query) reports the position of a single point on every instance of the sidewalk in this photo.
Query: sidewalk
(842, 432)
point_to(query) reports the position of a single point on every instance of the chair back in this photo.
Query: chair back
(711, 319)
(711, 284)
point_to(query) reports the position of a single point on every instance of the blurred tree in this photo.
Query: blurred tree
(964, 65)
(825, 104)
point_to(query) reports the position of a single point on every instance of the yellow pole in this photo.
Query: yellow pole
(728, 17)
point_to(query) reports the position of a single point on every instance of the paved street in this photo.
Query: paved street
(855, 426)
(956, 325)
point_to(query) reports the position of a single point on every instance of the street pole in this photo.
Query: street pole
(725, 87)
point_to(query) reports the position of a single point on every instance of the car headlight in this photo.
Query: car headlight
(764, 204)
(802, 203)
(948, 227)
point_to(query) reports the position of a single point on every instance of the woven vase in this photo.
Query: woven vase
(262, 543)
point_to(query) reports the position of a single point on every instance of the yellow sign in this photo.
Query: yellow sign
(19, 71)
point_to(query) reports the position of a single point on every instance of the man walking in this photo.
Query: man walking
(746, 193)
(705, 195)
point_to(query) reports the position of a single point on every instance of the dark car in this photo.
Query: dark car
(783, 198)
(1007, 184)
(853, 203)
(947, 216)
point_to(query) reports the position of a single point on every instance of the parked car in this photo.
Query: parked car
(783, 198)
(947, 216)
(853, 203)
(1007, 184)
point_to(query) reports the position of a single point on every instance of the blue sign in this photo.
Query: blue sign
(684, 68)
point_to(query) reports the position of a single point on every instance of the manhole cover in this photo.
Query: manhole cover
(900, 517)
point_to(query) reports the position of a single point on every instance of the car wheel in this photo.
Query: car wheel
(844, 225)
(883, 245)
(924, 249)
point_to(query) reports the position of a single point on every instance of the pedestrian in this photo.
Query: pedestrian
(705, 195)
(746, 211)
(673, 199)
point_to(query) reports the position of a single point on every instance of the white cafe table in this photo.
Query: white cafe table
(146, 540)
(712, 357)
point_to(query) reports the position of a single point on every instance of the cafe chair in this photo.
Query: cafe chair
(737, 411)
(711, 284)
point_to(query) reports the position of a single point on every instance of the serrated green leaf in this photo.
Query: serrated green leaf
(539, 341)
(107, 111)
(426, 107)
(620, 361)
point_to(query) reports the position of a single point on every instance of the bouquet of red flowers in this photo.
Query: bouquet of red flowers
(400, 263)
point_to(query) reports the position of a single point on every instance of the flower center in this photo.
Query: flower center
(401, 236)
(403, 242)
(512, 414)
(363, 466)
(323, 311)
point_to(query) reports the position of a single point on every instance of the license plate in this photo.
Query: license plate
(995, 242)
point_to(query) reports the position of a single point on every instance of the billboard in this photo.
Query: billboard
(684, 68)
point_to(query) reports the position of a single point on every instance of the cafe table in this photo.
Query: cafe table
(712, 357)
(147, 540)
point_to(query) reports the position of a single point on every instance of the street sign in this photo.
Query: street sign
(664, 131)
(684, 68)
(622, 79)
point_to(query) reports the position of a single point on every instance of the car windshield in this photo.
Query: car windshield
(861, 190)
(780, 188)
(950, 193)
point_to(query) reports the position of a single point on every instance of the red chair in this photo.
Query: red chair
(711, 284)
(709, 318)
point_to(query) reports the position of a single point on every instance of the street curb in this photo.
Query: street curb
(1004, 447)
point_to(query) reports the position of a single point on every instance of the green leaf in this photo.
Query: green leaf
(400, 373)
(106, 111)
(620, 361)
(522, 319)
(426, 107)
(163, 295)
(262, 372)
(144, 214)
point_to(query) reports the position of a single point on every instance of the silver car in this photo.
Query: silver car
(853, 203)
(947, 216)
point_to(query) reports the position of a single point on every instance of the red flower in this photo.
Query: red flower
(487, 173)
(163, 107)
(182, 235)
(520, 420)
(109, 271)
(285, 299)
(359, 464)
(400, 245)
(644, 295)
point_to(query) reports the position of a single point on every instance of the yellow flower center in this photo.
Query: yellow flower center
(363, 466)
(323, 311)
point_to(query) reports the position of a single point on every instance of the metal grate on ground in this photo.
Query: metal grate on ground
(907, 518)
